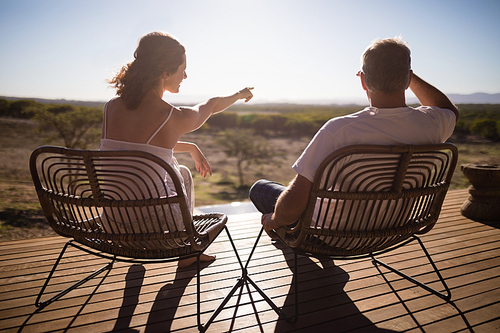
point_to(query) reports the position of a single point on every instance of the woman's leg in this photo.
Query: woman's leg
(188, 183)
(264, 194)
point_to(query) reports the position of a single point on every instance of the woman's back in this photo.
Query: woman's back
(147, 124)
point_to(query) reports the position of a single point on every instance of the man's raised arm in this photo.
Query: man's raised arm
(429, 95)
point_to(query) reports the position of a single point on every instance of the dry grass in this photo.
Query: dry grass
(20, 214)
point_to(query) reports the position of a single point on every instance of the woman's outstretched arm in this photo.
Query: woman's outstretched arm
(218, 104)
(191, 118)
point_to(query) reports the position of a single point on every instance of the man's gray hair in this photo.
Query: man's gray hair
(387, 65)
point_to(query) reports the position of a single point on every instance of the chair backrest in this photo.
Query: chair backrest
(367, 198)
(127, 203)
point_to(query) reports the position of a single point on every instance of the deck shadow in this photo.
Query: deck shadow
(74, 317)
(322, 307)
(133, 283)
(402, 302)
(166, 304)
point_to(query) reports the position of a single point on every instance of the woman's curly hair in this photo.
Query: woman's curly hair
(156, 53)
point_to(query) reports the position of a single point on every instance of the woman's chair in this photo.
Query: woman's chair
(117, 205)
(367, 200)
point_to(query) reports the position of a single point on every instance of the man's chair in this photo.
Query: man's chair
(116, 205)
(367, 200)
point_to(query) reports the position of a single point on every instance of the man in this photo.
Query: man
(386, 74)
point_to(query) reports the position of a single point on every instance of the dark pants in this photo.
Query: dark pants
(264, 194)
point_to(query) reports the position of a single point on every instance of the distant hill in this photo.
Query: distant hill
(56, 101)
(477, 98)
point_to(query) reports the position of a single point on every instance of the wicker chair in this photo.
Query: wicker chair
(115, 204)
(367, 200)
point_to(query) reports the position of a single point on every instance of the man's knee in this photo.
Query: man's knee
(259, 183)
(255, 191)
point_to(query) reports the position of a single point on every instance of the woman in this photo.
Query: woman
(139, 119)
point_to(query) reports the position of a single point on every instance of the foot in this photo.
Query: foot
(189, 261)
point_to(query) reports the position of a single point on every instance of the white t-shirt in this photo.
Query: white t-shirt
(394, 126)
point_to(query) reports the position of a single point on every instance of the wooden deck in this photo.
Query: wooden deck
(340, 296)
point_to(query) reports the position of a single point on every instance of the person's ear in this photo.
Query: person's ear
(409, 81)
(362, 78)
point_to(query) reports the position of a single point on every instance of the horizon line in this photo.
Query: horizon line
(333, 101)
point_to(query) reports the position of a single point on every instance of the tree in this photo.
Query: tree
(248, 149)
(77, 126)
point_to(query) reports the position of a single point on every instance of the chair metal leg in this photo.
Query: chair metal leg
(276, 309)
(198, 296)
(446, 296)
(43, 304)
(291, 319)
(243, 280)
(239, 283)
(296, 288)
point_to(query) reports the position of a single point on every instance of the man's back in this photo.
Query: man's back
(392, 126)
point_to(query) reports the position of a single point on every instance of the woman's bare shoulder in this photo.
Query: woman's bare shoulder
(147, 107)
(180, 112)
(115, 103)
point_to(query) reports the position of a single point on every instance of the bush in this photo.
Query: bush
(22, 109)
(486, 128)
(4, 106)
(474, 120)
(223, 120)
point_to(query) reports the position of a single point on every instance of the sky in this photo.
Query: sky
(289, 50)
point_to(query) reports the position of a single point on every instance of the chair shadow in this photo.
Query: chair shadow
(494, 224)
(329, 301)
(166, 303)
(133, 284)
(164, 307)
(450, 302)
(68, 327)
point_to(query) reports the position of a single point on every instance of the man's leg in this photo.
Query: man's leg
(264, 194)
